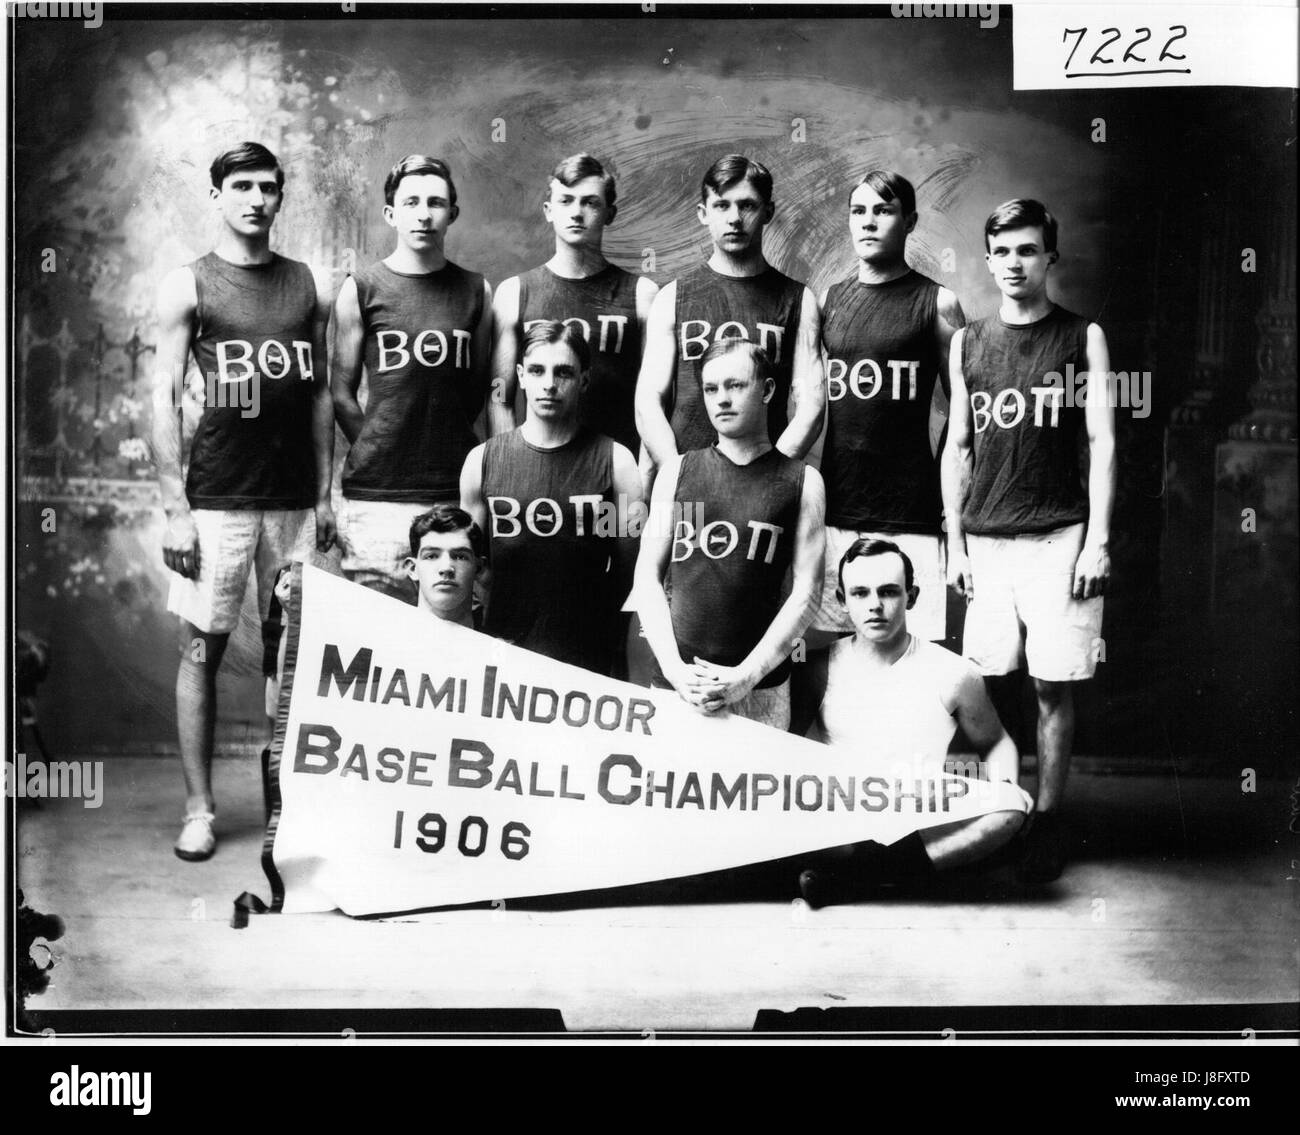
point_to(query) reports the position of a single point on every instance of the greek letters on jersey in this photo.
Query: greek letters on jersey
(582, 514)
(865, 378)
(603, 307)
(695, 335)
(883, 359)
(719, 539)
(1006, 409)
(235, 361)
(732, 547)
(550, 555)
(1027, 475)
(710, 306)
(253, 341)
(429, 349)
(605, 341)
(423, 393)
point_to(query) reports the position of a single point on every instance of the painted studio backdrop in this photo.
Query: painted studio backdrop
(1158, 195)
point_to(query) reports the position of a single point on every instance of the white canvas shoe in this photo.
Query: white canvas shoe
(197, 840)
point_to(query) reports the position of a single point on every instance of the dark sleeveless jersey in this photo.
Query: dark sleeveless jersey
(1027, 475)
(710, 306)
(253, 340)
(603, 308)
(733, 544)
(424, 390)
(552, 591)
(883, 359)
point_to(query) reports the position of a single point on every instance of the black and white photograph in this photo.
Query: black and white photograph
(655, 523)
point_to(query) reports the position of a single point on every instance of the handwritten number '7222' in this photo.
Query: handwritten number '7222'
(1113, 34)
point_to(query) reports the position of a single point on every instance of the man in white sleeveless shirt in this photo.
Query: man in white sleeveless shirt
(900, 698)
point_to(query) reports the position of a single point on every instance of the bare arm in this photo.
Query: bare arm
(955, 472)
(481, 355)
(815, 451)
(505, 354)
(322, 423)
(345, 376)
(471, 489)
(1092, 569)
(654, 384)
(949, 319)
(980, 722)
(733, 683)
(646, 291)
(471, 500)
(177, 306)
(808, 385)
(627, 494)
(651, 570)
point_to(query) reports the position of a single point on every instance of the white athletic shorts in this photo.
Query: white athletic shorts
(1024, 611)
(375, 537)
(231, 542)
(927, 620)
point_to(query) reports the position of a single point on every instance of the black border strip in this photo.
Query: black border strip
(1227, 1021)
(440, 10)
(1220, 1021)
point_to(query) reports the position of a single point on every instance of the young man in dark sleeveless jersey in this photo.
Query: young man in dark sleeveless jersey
(561, 506)
(709, 584)
(608, 304)
(734, 294)
(1027, 542)
(257, 492)
(886, 331)
(422, 326)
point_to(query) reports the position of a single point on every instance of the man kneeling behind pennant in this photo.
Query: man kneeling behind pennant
(419, 763)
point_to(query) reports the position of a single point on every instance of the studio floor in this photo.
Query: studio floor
(1181, 893)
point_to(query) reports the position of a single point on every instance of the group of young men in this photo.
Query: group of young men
(663, 487)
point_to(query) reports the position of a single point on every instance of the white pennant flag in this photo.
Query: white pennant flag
(424, 764)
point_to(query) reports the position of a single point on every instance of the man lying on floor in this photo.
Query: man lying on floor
(887, 693)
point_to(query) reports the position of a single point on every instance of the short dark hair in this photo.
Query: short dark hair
(553, 331)
(720, 348)
(247, 155)
(577, 167)
(412, 165)
(1022, 213)
(864, 546)
(447, 518)
(733, 169)
(889, 186)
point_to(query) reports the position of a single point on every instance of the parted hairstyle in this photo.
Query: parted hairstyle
(553, 331)
(732, 169)
(578, 167)
(868, 547)
(413, 165)
(1021, 213)
(447, 518)
(889, 186)
(720, 348)
(247, 155)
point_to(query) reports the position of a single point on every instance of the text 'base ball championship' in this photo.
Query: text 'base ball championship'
(423, 764)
